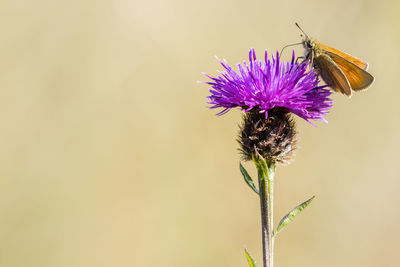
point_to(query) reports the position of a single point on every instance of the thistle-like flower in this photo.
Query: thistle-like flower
(268, 91)
(263, 85)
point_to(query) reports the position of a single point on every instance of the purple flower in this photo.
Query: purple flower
(264, 85)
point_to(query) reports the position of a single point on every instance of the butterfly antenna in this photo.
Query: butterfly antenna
(301, 29)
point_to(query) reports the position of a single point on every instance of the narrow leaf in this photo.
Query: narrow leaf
(250, 260)
(247, 178)
(291, 215)
(261, 165)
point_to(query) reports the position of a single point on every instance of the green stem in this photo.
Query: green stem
(270, 211)
(265, 182)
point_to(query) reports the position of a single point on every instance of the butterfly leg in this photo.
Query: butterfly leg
(312, 60)
(295, 63)
(297, 59)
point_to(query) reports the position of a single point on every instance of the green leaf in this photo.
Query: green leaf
(291, 215)
(250, 260)
(261, 166)
(247, 178)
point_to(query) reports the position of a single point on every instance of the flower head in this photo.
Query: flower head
(264, 85)
(273, 138)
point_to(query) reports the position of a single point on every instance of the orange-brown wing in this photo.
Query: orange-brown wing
(354, 60)
(332, 74)
(359, 79)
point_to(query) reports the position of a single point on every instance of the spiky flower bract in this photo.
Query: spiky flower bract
(264, 85)
(273, 138)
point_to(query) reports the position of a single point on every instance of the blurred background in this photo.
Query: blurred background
(110, 156)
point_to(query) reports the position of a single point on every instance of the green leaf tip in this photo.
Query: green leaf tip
(261, 165)
(247, 178)
(260, 162)
(250, 260)
(292, 214)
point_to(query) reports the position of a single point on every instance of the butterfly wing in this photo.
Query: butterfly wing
(358, 78)
(332, 74)
(354, 60)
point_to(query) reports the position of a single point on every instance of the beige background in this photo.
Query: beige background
(110, 157)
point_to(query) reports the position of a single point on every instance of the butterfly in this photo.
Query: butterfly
(341, 71)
